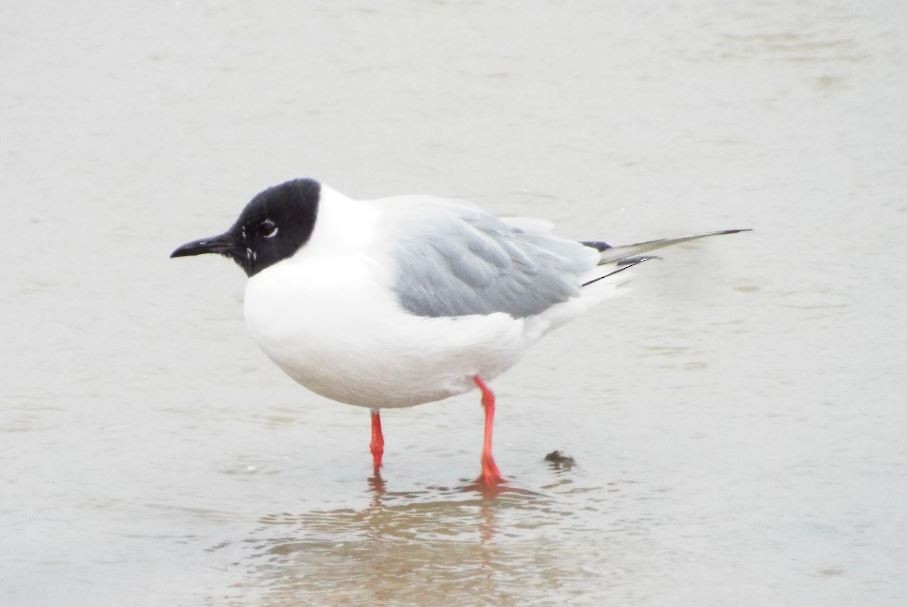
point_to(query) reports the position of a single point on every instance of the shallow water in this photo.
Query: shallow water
(737, 419)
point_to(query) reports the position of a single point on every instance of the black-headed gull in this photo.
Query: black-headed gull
(407, 300)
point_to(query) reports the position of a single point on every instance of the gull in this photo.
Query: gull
(406, 300)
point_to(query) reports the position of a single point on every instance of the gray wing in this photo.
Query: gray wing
(457, 260)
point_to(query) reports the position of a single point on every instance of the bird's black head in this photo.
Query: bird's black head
(272, 227)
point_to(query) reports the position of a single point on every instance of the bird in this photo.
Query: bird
(405, 300)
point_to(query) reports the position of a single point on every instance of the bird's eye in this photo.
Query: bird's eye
(267, 228)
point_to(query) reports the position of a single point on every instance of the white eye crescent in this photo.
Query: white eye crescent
(268, 228)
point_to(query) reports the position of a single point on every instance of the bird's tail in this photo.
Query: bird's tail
(611, 254)
(624, 257)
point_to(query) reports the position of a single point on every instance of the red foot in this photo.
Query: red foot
(377, 444)
(490, 476)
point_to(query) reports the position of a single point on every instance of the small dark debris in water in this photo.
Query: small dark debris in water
(560, 461)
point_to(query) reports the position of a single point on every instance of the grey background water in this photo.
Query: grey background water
(737, 419)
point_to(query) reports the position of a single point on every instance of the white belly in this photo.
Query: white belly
(331, 327)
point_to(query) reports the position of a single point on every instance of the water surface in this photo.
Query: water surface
(737, 419)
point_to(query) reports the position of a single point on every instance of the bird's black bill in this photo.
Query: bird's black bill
(222, 245)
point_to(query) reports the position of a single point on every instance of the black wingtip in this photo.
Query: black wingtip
(636, 259)
(598, 245)
(623, 264)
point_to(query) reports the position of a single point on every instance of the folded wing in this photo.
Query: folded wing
(457, 260)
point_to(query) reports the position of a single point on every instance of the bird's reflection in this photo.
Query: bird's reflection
(376, 487)
(384, 504)
(433, 544)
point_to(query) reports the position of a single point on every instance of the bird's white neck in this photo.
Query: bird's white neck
(343, 225)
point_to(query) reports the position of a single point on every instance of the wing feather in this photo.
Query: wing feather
(455, 260)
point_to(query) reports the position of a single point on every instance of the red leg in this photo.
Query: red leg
(377, 444)
(490, 474)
